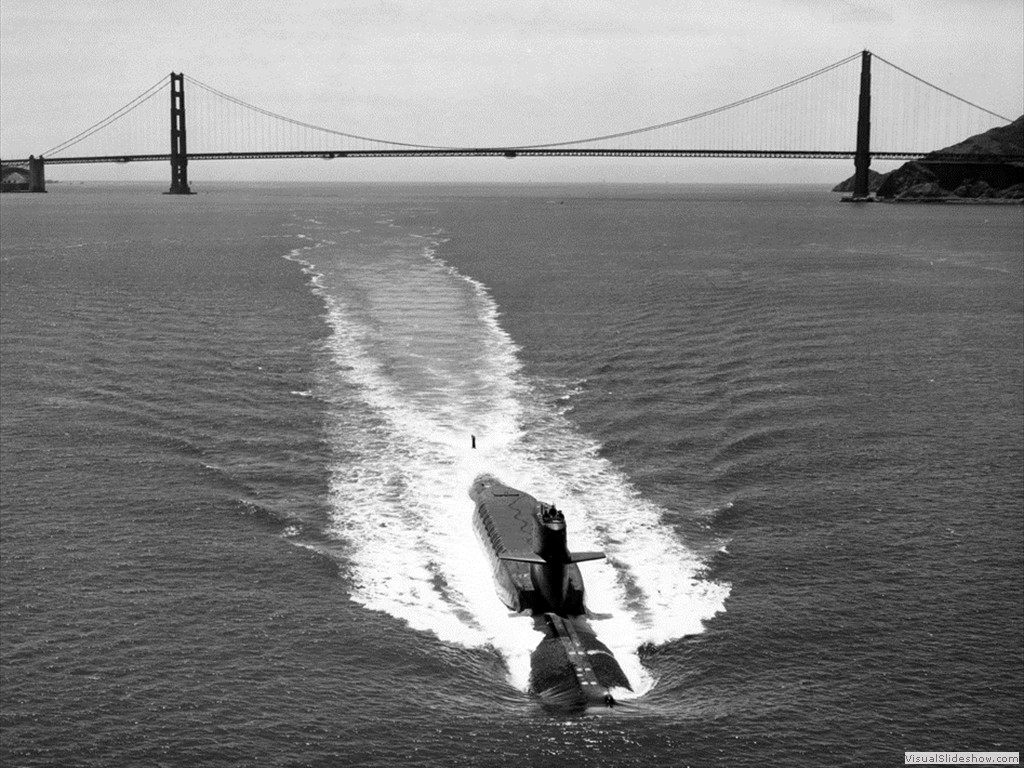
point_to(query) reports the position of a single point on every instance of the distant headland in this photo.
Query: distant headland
(935, 179)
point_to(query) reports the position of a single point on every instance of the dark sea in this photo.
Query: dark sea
(236, 434)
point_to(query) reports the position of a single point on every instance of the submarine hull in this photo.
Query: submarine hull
(570, 668)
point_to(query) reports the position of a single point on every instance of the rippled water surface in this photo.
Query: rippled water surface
(236, 450)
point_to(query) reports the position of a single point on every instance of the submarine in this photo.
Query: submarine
(534, 572)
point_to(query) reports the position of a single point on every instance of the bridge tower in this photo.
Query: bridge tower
(36, 174)
(862, 158)
(179, 151)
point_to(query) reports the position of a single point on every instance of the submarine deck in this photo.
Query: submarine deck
(508, 519)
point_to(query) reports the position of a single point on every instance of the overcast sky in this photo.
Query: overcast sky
(413, 70)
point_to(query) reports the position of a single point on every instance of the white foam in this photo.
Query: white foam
(421, 364)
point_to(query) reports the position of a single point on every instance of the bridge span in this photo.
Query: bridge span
(509, 153)
(818, 132)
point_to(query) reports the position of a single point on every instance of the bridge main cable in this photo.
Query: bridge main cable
(545, 145)
(942, 90)
(293, 121)
(698, 115)
(113, 117)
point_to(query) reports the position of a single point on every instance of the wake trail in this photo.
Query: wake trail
(419, 364)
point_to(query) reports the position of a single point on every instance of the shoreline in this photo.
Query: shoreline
(938, 200)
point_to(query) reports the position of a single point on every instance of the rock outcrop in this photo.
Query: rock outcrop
(874, 181)
(988, 166)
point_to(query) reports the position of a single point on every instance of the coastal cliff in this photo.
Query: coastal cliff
(988, 168)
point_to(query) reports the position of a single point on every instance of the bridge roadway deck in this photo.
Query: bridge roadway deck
(513, 152)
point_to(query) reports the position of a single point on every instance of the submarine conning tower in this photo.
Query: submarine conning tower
(549, 536)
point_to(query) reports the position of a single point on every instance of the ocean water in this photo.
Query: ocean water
(235, 453)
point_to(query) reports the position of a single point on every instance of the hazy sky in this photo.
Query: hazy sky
(413, 70)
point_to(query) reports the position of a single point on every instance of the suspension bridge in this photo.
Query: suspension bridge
(832, 113)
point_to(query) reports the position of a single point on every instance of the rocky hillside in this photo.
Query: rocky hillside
(938, 176)
(1001, 141)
